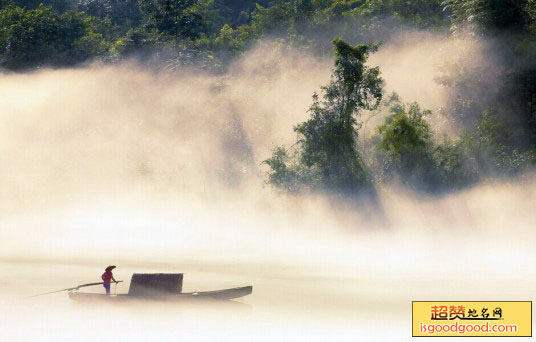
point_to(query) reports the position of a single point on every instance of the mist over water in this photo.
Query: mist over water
(160, 172)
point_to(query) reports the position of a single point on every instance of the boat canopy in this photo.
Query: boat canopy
(155, 284)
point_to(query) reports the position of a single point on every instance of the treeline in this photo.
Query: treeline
(65, 32)
(494, 103)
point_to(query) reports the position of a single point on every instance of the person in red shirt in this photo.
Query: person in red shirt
(107, 278)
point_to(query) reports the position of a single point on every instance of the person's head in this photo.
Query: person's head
(109, 268)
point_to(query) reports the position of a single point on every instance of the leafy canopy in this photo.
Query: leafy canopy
(327, 157)
(41, 36)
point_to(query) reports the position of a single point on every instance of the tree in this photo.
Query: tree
(327, 157)
(178, 18)
(31, 38)
(422, 13)
(406, 148)
(490, 145)
(488, 16)
(510, 24)
(59, 6)
(123, 13)
(236, 12)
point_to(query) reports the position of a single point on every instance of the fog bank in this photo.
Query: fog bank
(161, 172)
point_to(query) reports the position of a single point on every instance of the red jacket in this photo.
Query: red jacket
(107, 277)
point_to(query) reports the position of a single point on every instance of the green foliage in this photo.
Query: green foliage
(177, 18)
(31, 38)
(455, 166)
(420, 13)
(508, 83)
(327, 157)
(312, 23)
(488, 16)
(136, 41)
(226, 41)
(531, 13)
(236, 12)
(282, 173)
(225, 28)
(405, 148)
(276, 19)
(59, 6)
(490, 143)
(125, 14)
(6, 3)
(405, 133)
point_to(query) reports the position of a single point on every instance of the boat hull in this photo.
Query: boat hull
(226, 294)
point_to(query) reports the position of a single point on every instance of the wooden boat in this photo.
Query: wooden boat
(226, 294)
(161, 287)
